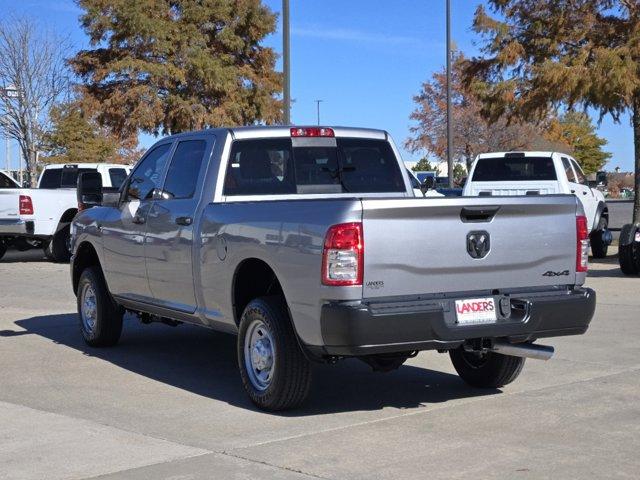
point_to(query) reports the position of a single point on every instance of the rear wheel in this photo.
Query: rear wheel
(486, 370)
(57, 249)
(100, 317)
(600, 239)
(275, 373)
(629, 250)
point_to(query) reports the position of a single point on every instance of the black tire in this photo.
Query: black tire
(290, 378)
(629, 250)
(598, 246)
(57, 249)
(491, 370)
(106, 327)
(3, 249)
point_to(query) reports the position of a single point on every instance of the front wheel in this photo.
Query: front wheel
(100, 317)
(274, 371)
(486, 370)
(600, 239)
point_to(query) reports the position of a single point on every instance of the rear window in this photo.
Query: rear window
(117, 176)
(273, 166)
(518, 169)
(65, 177)
(6, 182)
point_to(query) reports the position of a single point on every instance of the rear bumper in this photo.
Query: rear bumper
(16, 227)
(372, 328)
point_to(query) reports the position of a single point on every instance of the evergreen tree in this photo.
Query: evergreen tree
(166, 66)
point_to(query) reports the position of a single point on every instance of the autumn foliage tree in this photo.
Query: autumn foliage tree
(547, 53)
(576, 130)
(76, 137)
(472, 132)
(165, 66)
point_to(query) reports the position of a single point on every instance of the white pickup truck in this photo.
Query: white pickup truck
(541, 173)
(40, 217)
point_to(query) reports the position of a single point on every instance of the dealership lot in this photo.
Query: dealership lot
(168, 403)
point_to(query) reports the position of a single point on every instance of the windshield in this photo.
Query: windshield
(514, 169)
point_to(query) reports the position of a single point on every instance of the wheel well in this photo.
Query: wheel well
(86, 256)
(68, 215)
(253, 279)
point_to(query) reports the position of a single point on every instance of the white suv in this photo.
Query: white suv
(541, 173)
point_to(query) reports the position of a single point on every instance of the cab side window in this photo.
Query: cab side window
(184, 169)
(569, 171)
(148, 173)
(579, 173)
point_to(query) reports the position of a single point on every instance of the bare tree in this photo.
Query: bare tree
(33, 78)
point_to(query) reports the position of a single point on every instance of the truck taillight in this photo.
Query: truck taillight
(312, 132)
(26, 206)
(582, 244)
(343, 255)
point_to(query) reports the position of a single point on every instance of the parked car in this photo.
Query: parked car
(7, 181)
(309, 244)
(541, 173)
(41, 217)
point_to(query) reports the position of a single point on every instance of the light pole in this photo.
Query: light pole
(286, 61)
(449, 126)
(8, 92)
(318, 102)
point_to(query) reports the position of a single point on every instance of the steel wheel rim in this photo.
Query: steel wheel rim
(259, 355)
(475, 360)
(88, 308)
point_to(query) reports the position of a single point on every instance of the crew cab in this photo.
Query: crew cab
(542, 173)
(41, 217)
(309, 244)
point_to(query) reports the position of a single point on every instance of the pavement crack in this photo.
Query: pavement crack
(281, 467)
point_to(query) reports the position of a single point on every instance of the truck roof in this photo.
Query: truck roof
(526, 154)
(52, 166)
(260, 131)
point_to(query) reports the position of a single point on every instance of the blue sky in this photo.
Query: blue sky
(364, 58)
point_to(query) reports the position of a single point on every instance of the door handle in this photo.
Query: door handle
(138, 219)
(185, 221)
(584, 193)
(573, 191)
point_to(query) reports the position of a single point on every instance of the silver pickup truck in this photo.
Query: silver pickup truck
(309, 244)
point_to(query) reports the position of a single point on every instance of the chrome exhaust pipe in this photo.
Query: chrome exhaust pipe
(527, 350)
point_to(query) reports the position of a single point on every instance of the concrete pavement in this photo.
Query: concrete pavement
(168, 403)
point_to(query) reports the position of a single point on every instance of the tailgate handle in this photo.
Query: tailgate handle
(478, 214)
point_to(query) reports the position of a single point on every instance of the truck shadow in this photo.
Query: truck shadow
(28, 256)
(204, 362)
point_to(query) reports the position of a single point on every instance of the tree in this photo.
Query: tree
(459, 172)
(543, 54)
(75, 137)
(472, 132)
(578, 132)
(423, 165)
(33, 78)
(166, 66)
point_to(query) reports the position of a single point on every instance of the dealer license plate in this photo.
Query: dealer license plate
(475, 310)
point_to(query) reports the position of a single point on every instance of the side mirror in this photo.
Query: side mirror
(89, 190)
(592, 183)
(429, 183)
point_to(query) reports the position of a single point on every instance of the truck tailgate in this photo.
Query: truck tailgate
(418, 246)
(9, 199)
(540, 187)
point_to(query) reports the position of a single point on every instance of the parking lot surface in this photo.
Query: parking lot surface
(167, 403)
